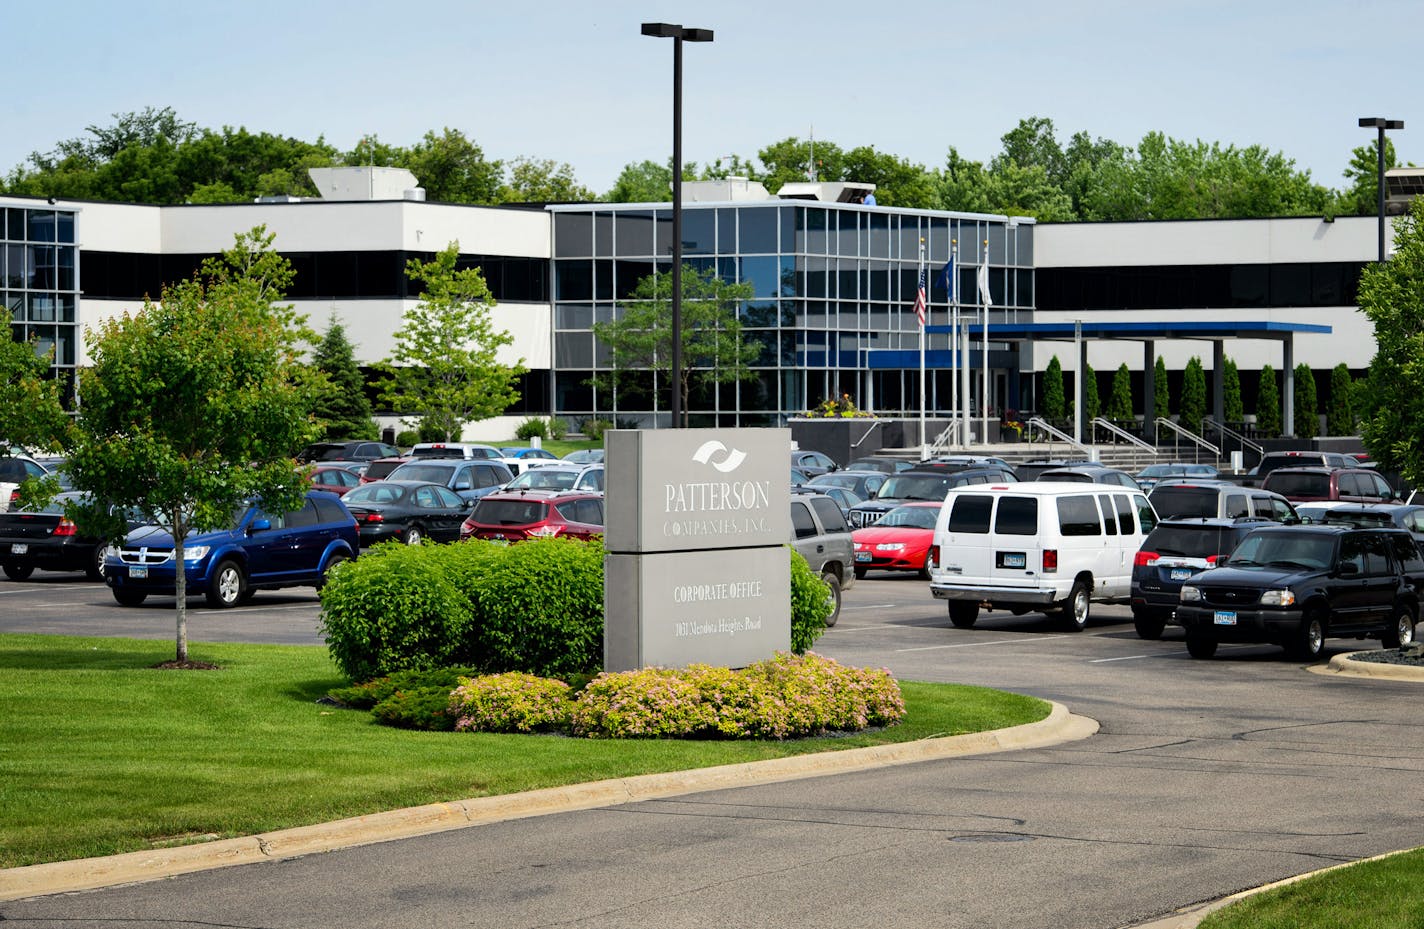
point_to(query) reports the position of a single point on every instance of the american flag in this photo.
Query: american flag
(920, 299)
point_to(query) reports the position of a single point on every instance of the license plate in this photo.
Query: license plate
(138, 573)
(862, 556)
(1224, 618)
(1181, 574)
(19, 548)
(1014, 560)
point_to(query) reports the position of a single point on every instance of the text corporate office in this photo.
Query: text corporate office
(833, 286)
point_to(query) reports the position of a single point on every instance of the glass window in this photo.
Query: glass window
(42, 226)
(1109, 513)
(698, 236)
(1236, 506)
(633, 233)
(830, 513)
(764, 273)
(573, 280)
(602, 235)
(15, 226)
(758, 230)
(971, 513)
(306, 516)
(1078, 516)
(1124, 514)
(801, 520)
(1017, 516)
(1145, 515)
(573, 349)
(573, 235)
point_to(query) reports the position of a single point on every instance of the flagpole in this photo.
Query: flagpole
(954, 347)
(924, 288)
(984, 334)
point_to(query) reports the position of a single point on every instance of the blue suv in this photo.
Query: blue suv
(263, 551)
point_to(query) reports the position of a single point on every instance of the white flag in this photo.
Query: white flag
(983, 277)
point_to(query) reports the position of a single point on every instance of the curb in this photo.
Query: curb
(133, 867)
(1344, 665)
(1190, 917)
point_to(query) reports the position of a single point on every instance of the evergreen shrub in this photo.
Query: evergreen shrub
(530, 428)
(810, 604)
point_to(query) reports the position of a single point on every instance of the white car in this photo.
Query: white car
(14, 471)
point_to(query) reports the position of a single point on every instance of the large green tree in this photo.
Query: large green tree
(1161, 399)
(644, 182)
(1231, 405)
(1391, 294)
(535, 180)
(1362, 196)
(1268, 404)
(31, 410)
(453, 168)
(1120, 398)
(1306, 407)
(1193, 396)
(1055, 401)
(1341, 418)
(192, 407)
(714, 350)
(342, 407)
(445, 364)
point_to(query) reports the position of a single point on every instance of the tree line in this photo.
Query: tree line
(153, 156)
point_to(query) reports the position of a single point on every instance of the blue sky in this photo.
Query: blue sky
(574, 81)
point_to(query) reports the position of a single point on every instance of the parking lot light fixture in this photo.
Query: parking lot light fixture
(1380, 123)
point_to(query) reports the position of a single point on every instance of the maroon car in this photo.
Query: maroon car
(535, 514)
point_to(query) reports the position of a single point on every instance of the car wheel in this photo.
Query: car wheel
(860, 573)
(19, 572)
(1077, 607)
(1308, 640)
(963, 613)
(95, 570)
(228, 586)
(1400, 630)
(1149, 623)
(335, 559)
(833, 581)
(127, 597)
(413, 536)
(1200, 646)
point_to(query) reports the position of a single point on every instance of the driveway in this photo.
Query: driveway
(1206, 778)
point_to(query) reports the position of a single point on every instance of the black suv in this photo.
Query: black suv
(1175, 551)
(1295, 585)
(921, 484)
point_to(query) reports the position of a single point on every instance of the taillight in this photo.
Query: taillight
(932, 557)
(1050, 559)
(1212, 559)
(1145, 559)
(374, 518)
(65, 527)
(468, 525)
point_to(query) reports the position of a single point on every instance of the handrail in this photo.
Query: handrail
(1228, 433)
(1126, 436)
(872, 428)
(1187, 434)
(1038, 422)
(943, 440)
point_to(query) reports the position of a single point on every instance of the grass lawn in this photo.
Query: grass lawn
(560, 447)
(100, 753)
(1381, 894)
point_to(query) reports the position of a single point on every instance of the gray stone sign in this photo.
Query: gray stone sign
(695, 525)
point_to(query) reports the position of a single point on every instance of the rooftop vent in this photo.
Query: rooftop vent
(828, 191)
(367, 182)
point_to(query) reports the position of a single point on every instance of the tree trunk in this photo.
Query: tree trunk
(180, 588)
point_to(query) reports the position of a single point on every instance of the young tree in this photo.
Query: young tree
(713, 350)
(1193, 396)
(1268, 404)
(1091, 405)
(1391, 294)
(1341, 418)
(1055, 403)
(445, 364)
(1161, 402)
(191, 408)
(1120, 399)
(31, 412)
(1307, 410)
(1231, 407)
(341, 406)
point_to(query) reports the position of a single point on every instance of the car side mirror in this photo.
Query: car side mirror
(260, 525)
(1348, 569)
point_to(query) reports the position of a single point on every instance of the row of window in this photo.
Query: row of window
(38, 267)
(319, 275)
(1204, 286)
(775, 228)
(38, 307)
(57, 339)
(22, 225)
(1078, 514)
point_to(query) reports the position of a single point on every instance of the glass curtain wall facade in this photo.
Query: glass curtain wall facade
(831, 284)
(39, 282)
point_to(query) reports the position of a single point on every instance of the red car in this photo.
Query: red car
(509, 516)
(900, 541)
(335, 480)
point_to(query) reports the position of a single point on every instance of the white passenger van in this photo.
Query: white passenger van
(1045, 546)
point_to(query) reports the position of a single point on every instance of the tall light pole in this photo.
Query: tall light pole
(1380, 123)
(678, 34)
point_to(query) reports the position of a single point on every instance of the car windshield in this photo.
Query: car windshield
(544, 479)
(1285, 550)
(376, 493)
(915, 487)
(912, 517)
(435, 474)
(848, 481)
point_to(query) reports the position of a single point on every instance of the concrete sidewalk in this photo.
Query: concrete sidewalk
(89, 873)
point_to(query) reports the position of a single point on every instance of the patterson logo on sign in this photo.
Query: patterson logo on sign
(730, 463)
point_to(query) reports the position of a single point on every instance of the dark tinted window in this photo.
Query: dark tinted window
(509, 512)
(801, 520)
(306, 516)
(971, 513)
(1237, 505)
(1078, 515)
(1406, 552)
(830, 514)
(1109, 514)
(1170, 502)
(1300, 484)
(1193, 541)
(1124, 514)
(1017, 516)
(329, 511)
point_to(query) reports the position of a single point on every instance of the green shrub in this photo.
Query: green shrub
(367, 695)
(810, 604)
(395, 609)
(426, 708)
(406, 438)
(511, 702)
(595, 428)
(540, 608)
(530, 428)
(558, 428)
(647, 703)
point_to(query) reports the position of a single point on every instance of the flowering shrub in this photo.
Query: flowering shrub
(512, 702)
(639, 704)
(842, 407)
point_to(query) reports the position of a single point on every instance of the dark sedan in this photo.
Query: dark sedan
(406, 511)
(48, 540)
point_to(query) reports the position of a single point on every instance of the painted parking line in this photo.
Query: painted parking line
(873, 606)
(930, 648)
(1169, 654)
